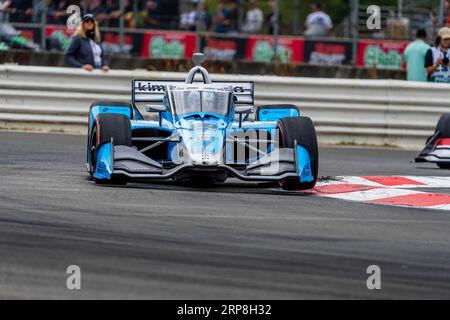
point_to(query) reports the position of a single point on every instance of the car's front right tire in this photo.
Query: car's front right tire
(302, 131)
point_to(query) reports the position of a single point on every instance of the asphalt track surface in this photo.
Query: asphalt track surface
(158, 241)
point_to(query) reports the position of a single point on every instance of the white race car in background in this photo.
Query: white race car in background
(437, 148)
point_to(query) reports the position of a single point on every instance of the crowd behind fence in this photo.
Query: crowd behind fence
(227, 30)
(228, 16)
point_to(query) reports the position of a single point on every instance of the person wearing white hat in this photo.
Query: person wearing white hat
(437, 58)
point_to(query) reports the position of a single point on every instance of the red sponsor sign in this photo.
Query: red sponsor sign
(329, 48)
(225, 49)
(49, 30)
(168, 45)
(27, 33)
(327, 53)
(260, 49)
(383, 54)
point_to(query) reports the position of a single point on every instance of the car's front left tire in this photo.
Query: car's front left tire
(106, 127)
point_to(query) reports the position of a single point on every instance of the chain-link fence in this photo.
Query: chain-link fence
(299, 31)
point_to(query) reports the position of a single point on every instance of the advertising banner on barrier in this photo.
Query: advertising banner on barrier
(383, 54)
(225, 49)
(168, 45)
(327, 53)
(132, 43)
(58, 39)
(260, 49)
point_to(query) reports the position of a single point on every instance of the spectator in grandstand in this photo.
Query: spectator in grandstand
(85, 50)
(206, 17)
(318, 23)
(61, 14)
(113, 14)
(151, 14)
(188, 20)
(271, 18)
(415, 54)
(437, 58)
(56, 11)
(447, 12)
(233, 7)
(17, 12)
(25, 14)
(221, 18)
(7, 31)
(39, 8)
(254, 19)
(14, 10)
(428, 21)
(5, 9)
(96, 8)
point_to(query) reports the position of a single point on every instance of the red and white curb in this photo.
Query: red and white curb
(387, 190)
(397, 181)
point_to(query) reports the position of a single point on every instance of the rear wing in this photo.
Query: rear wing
(153, 91)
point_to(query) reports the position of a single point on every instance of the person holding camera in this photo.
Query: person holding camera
(437, 58)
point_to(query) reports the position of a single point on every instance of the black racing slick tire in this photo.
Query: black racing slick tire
(443, 126)
(113, 103)
(300, 129)
(443, 165)
(107, 127)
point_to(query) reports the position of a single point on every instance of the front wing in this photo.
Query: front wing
(122, 161)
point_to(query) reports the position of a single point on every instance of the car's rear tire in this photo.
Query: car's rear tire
(300, 129)
(443, 165)
(106, 127)
(113, 103)
(443, 126)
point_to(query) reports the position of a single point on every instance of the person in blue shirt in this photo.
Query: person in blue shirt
(415, 54)
(221, 19)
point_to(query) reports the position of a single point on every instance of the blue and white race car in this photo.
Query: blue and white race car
(200, 131)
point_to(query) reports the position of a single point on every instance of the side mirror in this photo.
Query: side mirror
(241, 110)
(155, 108)
(244, 109)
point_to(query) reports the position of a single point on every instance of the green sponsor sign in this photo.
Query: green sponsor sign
(374, 55)
(162, 49)
(61, 38)
(263, 52)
